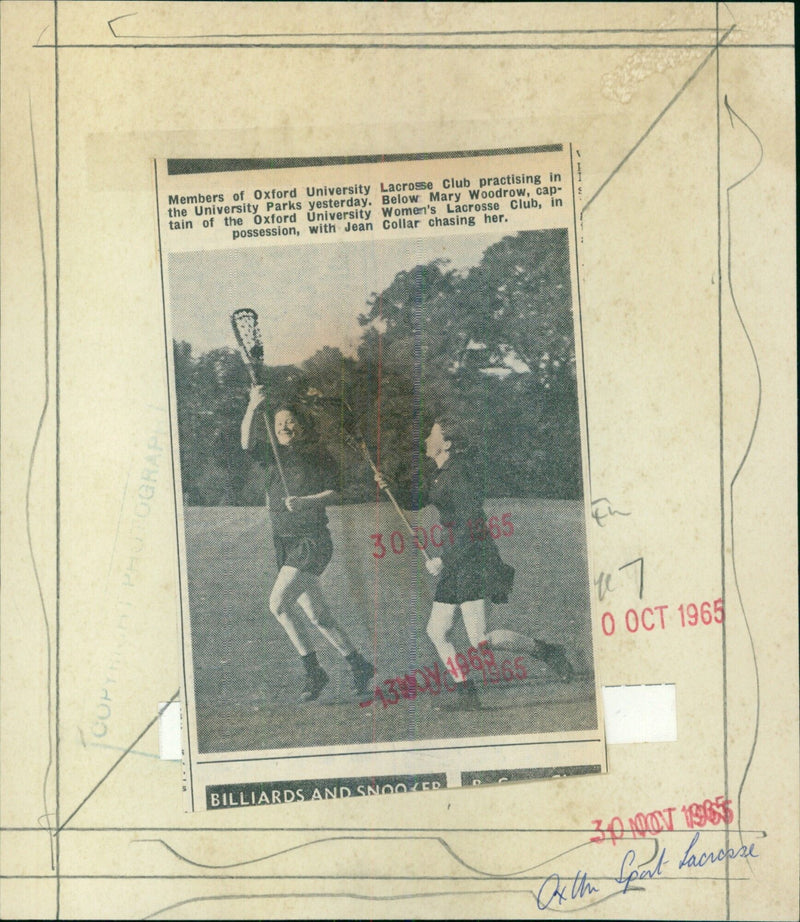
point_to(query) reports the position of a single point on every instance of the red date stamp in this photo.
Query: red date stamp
(661, 617)
(434, 680)
(695, 816)
(496, 527)
(437, 536)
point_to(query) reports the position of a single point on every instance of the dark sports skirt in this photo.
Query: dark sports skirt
(480, 575)
(311, 552)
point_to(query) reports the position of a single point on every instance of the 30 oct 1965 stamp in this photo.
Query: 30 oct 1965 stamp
(380, 460)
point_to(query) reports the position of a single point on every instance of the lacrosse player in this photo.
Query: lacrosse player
(470, 572)
(298, 495)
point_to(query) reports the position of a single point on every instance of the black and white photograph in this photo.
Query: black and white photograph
(380, 476)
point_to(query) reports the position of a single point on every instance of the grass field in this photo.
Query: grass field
(248, 676)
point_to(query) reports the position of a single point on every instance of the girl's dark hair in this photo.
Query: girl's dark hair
(309, 435)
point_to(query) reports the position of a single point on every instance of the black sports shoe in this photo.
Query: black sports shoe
(316, 680)
(463, 698)
(555, 658)
(363, 674)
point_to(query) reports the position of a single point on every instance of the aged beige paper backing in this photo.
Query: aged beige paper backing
(683, 114)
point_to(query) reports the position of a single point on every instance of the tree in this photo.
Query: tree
(211, 395)
(493, 345)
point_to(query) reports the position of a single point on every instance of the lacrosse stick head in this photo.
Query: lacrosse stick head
(248, 334)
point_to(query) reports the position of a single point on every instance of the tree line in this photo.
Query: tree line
(492, 347)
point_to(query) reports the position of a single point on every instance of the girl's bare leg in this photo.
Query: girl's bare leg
(316, 609)
(281, 600)
(440, 624)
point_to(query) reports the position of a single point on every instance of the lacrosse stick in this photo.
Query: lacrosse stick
(251, 346)
(356, 440)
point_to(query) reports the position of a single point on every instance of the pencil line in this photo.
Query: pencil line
(376, 898)
(1, 402)
(746, 454)
(125, 752)
(701, 30)
(57, 178)
(442, 46)
(720, 397)
(338, 877)
(521, 830)
(28, 487)
(658, 118)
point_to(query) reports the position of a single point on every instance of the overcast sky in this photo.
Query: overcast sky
(306, 296)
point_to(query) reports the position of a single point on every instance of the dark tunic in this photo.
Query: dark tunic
(302, 539)
(471, 565)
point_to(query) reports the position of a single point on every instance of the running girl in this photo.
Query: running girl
(470, 573)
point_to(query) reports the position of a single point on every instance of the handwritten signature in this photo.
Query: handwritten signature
(552, 893)
(552, 889)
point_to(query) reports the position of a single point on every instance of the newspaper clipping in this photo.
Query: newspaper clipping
(381, 473)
